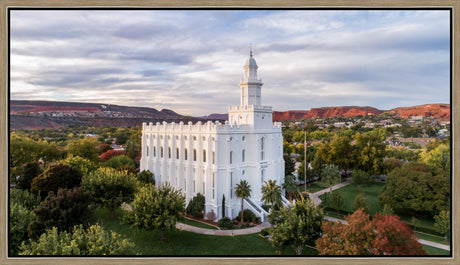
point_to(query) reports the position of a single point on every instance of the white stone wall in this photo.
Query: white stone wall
(166, 145)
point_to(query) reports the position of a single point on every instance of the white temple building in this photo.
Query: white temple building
(211, 158)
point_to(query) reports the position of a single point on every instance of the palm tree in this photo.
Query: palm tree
(271, 193)
(330, 175)
(242, 191)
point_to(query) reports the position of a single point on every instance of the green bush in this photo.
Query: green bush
(249, 216)
(225, 223)
(196, 206)
(265, 231)
(146, 177)
(55, 177)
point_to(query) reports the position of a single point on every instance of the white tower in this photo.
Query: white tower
(250, 111)
(250, 86)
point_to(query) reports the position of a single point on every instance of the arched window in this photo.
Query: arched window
(169, 152)
(231, 157)
(147, 151)
(194, 154)
(262, 146)
(177, 153)
(213, 157)
(161, 152)
(186, 154)
(243, 155)
(204, 155)
(154, 151)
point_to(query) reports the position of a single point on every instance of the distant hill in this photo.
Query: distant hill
(32, 114)
(440, 111)
(25, 114)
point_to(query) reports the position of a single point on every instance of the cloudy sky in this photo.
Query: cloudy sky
(191, 61)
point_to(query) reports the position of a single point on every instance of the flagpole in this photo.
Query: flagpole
(305, 160)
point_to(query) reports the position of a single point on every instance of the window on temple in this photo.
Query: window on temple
(243, 155)
(204, 155)
(194, 154)
(177, 153)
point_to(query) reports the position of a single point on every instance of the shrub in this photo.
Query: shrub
(20, 217)
(104, 148)
(211, 216)
(146, 177)
(196, 206)
(225, 223)
(93, 241)
(248, 216)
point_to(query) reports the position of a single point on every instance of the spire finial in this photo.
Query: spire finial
(250, 49)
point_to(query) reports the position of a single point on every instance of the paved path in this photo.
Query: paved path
(245, 231)
(315, 196)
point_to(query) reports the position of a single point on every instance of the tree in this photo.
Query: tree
(387, 210)
(242, 190)
(145, 176)
(29, 171)
(131, 150)
(86, 148)
(390, 164)
(330, 175)
(121, 135)
(62, 210)
(361, 177)
(290, 185)
(289, 165)
(394, 237)
(223, 205)
(110, 187)
(24, 198)
(117, 162)
(442, 223)
(111, 153)
(384, 235)
(338, 151)
(271, 193)
(360, 203)
(104, 147)
(371, 150)
(438, 157)
(196, 206)
(337, 201)
(56, 176)
(93, 241)
(84, 165)
(19, 218)
(416, 187)
(296, 226)
(156, 208)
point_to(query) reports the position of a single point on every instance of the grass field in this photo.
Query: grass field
(435, 251)
(197, 224)
(349, 193)
(183, 243)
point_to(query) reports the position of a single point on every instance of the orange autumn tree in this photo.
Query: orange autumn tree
(385, 235)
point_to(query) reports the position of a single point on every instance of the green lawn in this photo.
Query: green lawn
(183, 243)
(433, 238)
(435, 251)
(349, 193)
(197, 224)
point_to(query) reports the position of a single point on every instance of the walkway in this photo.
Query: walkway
(315, 196)
(236, 232)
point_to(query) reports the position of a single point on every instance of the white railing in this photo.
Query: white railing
(256, 209)
(286, 202)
